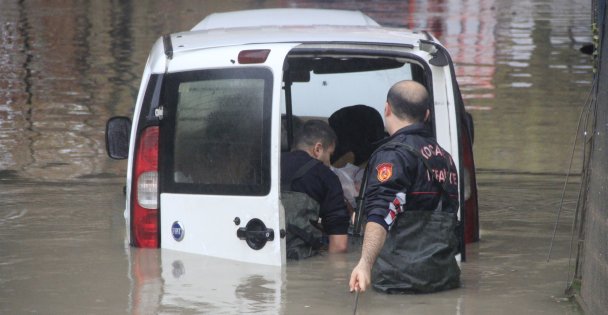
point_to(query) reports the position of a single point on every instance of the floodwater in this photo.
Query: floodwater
(67, 66)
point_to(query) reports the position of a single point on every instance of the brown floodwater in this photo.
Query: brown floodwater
(67, 66)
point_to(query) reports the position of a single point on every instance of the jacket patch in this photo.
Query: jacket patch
(385, 171)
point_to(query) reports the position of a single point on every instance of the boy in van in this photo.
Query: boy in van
(359, 129)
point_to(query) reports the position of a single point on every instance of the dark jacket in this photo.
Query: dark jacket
(321, 184)
(394, 170)
(418, 208)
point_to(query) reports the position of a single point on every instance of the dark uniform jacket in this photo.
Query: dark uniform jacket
(399, 174)
(417, 203)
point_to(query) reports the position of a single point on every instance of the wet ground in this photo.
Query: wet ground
(66, 67)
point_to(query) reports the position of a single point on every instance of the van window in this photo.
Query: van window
(318, 85)
(217, 136)
(327, 92)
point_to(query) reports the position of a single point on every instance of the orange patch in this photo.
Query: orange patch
(385, 171)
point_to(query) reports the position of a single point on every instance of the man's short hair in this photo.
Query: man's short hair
(314, 131)
(408, 100)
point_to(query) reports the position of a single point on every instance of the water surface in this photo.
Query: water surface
(66, 67)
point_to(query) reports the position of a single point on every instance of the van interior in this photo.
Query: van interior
(318, 84)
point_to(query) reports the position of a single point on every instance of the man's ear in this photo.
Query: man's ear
(427, 115)
(317, 150)
(387, 110)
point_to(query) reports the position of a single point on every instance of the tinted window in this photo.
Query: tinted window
(217, 132)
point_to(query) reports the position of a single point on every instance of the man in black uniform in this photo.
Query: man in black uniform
(316, 140)
(411, 202)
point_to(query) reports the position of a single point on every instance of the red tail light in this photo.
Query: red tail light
(471, 224)
(144, 218)
(253, 56)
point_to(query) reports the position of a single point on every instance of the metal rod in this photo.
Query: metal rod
(356, 302)
(289, 112)
(360, 203)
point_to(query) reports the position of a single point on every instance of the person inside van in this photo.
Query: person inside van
(359, 129)
(306, 170)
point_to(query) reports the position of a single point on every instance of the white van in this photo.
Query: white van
(206, 139)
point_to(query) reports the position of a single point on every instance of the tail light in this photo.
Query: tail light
(253, 56)
(471, 217)
(144, 218)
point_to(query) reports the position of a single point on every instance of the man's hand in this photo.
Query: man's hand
(360, 278)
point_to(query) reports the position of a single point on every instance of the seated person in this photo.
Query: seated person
(315, 141)
(359, 129)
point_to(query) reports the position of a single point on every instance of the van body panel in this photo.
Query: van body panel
(380, 36)
(210, 229)
(155, 61)
(269, 17)
(444, 111)
(211, 221)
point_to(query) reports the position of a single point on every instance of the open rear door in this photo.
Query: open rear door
(219, 161)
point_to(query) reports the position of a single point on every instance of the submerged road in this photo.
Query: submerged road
(66, 67)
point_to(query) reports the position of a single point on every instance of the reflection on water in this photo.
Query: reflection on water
(500, 276)
(541, 82)
(66, 70)
(166, 281)
(66, 67)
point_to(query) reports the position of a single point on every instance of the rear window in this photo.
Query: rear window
(323, 83)
(216, 134)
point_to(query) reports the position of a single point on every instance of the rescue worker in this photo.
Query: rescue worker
(411, 201)
(314, 144)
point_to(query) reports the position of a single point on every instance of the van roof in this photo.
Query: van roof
(291, 26)
(284, 17)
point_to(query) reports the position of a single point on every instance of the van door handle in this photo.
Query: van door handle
(255, 234)
(243, 234)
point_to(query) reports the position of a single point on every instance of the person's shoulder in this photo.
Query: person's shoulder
(291, 155)
(293, 158)
(396, 147)
(393, 154)
(323, 169)
(325, 174)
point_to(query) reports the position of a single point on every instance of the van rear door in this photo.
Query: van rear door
(219, 158)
